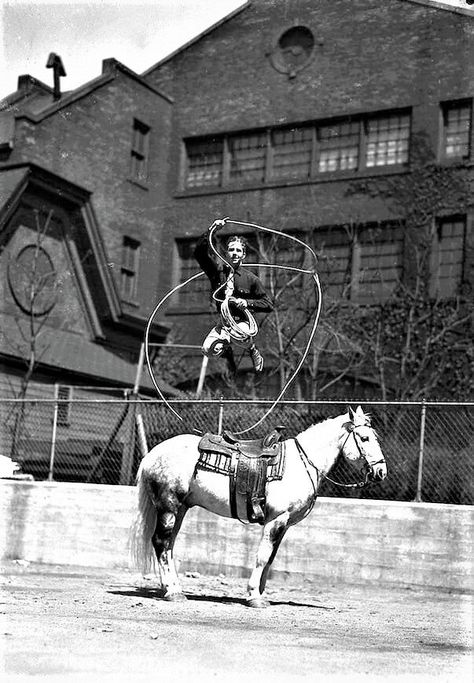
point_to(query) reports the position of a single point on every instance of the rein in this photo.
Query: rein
(306, 460)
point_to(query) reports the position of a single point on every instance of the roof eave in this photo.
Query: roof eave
(433, 4)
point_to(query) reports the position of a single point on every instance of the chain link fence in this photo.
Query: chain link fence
(428, 446)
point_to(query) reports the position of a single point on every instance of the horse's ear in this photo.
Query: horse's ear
(351, 414)
(362, 417)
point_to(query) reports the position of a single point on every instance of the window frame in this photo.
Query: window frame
(310, 170)
(140, 152)
(129, 268)
(445, 108)
(436, 261)
(352, 255)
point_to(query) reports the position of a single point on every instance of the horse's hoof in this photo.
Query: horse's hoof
(175, 597)
(258, 603)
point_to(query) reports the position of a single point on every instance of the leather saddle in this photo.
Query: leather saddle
(250, 460)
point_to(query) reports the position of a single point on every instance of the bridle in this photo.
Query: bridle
(351, 430)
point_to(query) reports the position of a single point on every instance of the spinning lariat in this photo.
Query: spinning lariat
(234, 330)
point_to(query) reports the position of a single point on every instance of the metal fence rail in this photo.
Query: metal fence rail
(428, 445)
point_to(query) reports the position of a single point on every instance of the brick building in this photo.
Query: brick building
(348, 124)
(81, 185)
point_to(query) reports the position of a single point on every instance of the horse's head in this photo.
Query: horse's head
(358, 441)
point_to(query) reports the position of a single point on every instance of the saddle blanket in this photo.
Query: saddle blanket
(222, 463)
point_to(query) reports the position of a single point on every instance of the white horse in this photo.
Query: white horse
(169, 484)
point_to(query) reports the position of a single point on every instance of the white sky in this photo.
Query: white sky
(136, 32)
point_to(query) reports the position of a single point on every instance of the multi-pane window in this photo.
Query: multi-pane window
(139, 151)
(457, 130)
(247, 157)
(292, 152)
(363, 263)
(129, 268)
(298, 152)
(387, 140)
(380, 262)
(447, 257)
(194, 295)
(338, 147)
(204, 159)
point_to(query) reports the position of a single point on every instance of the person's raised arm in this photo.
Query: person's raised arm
(205, 257)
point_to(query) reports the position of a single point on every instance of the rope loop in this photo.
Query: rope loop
(317, 286)
(233, 327)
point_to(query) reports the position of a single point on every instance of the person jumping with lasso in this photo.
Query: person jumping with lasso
(238, 293)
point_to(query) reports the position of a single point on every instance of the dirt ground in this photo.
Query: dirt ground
(68, 624)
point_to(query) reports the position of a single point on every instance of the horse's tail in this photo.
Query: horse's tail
(143, 527)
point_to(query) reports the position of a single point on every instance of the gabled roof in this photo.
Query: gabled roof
(12, 184)
(30, 178)
(434, 4)
(34, 100)
(68, 352)
(28, 90)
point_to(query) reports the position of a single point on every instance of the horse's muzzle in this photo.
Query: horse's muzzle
(378, 472)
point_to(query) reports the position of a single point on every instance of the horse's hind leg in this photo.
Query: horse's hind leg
(167, 527)
(272, 536)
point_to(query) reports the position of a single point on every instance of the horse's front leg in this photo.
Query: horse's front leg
(272, 536)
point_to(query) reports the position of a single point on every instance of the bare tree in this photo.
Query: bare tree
(418, 343)
(35, 291)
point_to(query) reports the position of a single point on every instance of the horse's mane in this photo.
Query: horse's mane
(323, 429)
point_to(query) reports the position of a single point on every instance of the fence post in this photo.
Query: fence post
(53, 435)
(130, 441)
(202, 376)
(141, 435)
(419, 482)
(221, 417)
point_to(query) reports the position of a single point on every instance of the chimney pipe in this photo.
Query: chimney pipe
(55, 63)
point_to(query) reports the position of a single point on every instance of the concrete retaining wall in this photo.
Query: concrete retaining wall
(341, 540)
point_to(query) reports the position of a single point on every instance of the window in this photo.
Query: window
(362, 263)
(129, 269)
(338, 147)
(380, 262)
(298, 152)
(292, 152)
(204, 163)
(387, 140)
(196, 294)
(247, 156)
(139, 153)
(456, 130)
(447, 257)
(64, 405)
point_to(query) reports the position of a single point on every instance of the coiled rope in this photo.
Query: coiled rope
(236, 332)
(304, 271)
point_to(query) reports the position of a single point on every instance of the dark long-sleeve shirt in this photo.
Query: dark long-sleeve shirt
(246, 284)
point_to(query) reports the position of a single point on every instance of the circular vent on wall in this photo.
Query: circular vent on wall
(32, 279)
(293, 50)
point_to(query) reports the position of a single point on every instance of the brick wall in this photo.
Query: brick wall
(92, 144)
(340, 541)
(369, 56)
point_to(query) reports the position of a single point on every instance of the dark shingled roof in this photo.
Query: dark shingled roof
(74, 354)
